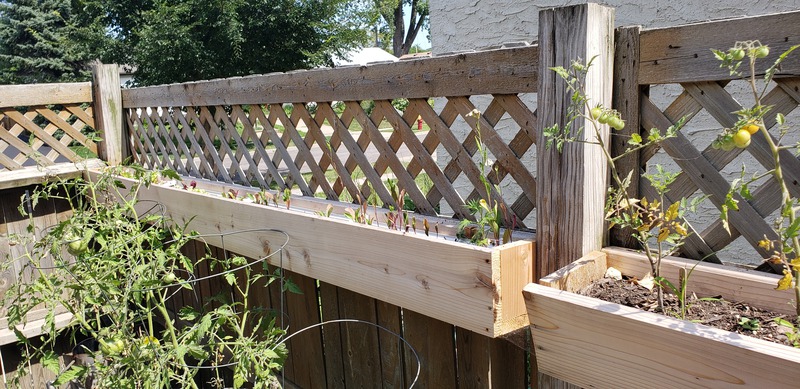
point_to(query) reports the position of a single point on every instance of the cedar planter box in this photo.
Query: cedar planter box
(593, 343)
(472, 287)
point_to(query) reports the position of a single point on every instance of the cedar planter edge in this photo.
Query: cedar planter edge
(476, 288)
(593, 343)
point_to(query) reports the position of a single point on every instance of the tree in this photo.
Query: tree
(38, 44)
(393, 14)
(172, 40)
(185, 40)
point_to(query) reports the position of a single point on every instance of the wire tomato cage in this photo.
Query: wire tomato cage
(186, 278)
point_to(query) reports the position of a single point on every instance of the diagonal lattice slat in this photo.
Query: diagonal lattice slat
(701, 170)
(45, 135)
(348, 150)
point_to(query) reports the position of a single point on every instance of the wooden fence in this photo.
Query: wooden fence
(337, 132)
(267, 130)
(675, 56)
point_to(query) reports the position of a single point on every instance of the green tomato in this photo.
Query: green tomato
(761, 51)
(727, 143)
(596, 112)
(604, 117)
(112, 347)
(78, 247)
(737, 54)
(616, 123)
(169, 278)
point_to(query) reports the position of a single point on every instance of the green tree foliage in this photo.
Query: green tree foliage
(200, 39)
(39, 44)
(174, 40)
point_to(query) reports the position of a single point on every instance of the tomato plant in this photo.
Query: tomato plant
(658, 228)
(115, 268)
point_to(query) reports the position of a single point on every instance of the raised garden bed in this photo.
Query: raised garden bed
(476, 288)
(590, 342)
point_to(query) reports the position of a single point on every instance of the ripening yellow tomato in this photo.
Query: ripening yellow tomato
(751, 128)
(741, 138)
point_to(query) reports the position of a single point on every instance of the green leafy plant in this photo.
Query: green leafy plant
(749, 324)
(490, 215)
(659, 228)
(793, 333)
(114, 265)
(785, 244)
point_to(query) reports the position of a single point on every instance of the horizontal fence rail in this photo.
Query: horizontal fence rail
(345, 132)
(46, 124)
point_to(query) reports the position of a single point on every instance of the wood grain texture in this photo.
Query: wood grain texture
(332, 336)
(572, 184)
(709, 279)
(361, 347)
(477, 73)
(570, 198)
(573, 277)
(437, 277)
(603, 345)
(306, 350)
(434, 343)
(107, 98)
(391, 348)
(36, 175)
(625, 99)
(45, 94)
(682, 54)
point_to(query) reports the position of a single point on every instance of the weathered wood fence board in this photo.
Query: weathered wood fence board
(682, 54)
(45, 124)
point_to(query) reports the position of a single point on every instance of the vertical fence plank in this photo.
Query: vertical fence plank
(331, 336)
(391, 347)
(306, 348)
(509, 364)
(474, 363)
(108, 113)
(626, 101)
(434, 343)
(360, 341)
(570, 200)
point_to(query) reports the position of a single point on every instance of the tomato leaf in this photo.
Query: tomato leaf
(74, 372)
(50, 361)
(231, 278)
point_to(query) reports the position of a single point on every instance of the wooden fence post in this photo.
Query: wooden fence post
(626, 101)
(107, 97)
(572, 184)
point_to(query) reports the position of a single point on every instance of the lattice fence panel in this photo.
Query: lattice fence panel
(45, 135)
(701, 167)
(348, 150)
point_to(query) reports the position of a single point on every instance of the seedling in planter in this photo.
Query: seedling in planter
(287, 197)
(749, 324)
(792, 332)
(486, 211)
(785, 244)
(659, 228)
(326, 212)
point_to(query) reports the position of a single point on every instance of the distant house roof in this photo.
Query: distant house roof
(365, 56)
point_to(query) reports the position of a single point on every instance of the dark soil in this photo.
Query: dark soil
(713, 312)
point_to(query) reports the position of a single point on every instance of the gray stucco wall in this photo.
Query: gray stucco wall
(472, 24)
(458, 25)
